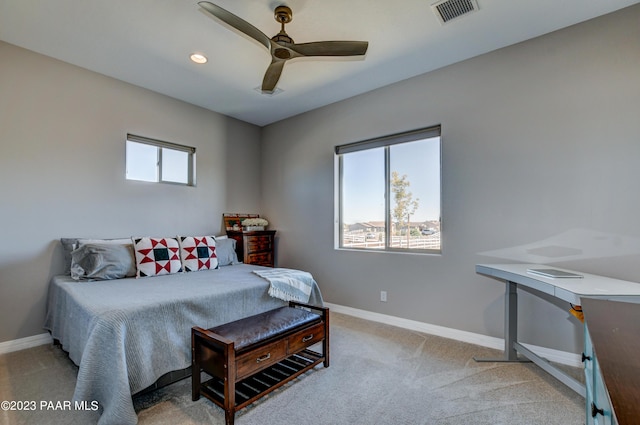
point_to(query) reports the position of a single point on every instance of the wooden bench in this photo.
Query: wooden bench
(251, 357)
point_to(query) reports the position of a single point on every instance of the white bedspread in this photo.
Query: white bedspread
(124, 334)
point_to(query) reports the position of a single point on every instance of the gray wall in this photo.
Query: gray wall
(541, 142)
(540, 148)
(62, 167)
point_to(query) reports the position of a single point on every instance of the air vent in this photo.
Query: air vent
(449, 10)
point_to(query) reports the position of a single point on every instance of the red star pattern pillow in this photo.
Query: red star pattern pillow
(157, 256)
(198, 253)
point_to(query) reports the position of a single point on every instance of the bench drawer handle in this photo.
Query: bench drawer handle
(263, 358)
(307, 338)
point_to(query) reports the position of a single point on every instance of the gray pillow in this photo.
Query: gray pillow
(226, 252)
(70, 244)
(103, 261)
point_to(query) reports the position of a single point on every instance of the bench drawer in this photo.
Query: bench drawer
(305, 338)
(261, 358)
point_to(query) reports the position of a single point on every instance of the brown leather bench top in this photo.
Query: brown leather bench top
(263, 326)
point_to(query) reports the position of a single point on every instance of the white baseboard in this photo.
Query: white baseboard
(556, 356)
(24, 343)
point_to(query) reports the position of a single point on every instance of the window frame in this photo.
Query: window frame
(160, 145)
(383, 142)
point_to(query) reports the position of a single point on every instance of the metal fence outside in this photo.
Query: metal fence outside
(359, 240)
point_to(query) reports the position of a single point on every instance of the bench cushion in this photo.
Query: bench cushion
(250, 330)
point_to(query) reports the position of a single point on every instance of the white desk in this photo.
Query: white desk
(567, 289)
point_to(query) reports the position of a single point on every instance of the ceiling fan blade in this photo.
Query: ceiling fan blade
(331, 48)
(272, 75)
(236, 22)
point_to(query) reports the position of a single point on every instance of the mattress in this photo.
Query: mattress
(126, 333)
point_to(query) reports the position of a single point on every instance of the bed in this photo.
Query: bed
(126, 333)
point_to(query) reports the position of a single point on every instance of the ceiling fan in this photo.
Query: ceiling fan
(281, 46)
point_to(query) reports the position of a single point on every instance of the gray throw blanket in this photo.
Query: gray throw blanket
(288, 284)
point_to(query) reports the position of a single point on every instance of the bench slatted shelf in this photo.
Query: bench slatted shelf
(251, 357)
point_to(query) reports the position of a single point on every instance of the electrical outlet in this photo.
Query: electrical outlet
(383, 296)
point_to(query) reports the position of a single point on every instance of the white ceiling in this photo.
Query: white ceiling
(148, 43)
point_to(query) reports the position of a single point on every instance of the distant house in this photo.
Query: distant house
(368, 226)
(379, 226)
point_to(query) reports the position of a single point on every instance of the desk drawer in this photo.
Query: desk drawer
(259, 359)
(600, 399)
(588, 360)
(302, 339)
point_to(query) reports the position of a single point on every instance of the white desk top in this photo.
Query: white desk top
(568, 289)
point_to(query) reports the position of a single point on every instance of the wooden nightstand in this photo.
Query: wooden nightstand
(256, 247)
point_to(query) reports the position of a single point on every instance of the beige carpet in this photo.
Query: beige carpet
(379, 374)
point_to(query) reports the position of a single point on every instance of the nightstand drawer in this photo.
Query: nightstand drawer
(258, 244)
(261, 258)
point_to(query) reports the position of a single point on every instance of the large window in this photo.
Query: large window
(157, 161)
(389, 193)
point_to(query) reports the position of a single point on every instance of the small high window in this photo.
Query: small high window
(153, 160)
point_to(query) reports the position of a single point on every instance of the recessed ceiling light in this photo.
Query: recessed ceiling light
(198, 58)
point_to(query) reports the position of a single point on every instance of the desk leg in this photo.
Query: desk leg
(510, 326)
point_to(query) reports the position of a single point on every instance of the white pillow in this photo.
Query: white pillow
(157, 256)
(198, 253)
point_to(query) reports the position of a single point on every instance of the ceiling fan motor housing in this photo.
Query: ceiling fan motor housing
(282, 37)
(283, 14)
(282, 53)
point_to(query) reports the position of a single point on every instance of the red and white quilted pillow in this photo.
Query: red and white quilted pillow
(198, 253)
(157, 256)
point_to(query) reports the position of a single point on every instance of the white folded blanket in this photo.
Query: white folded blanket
(288, 284)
